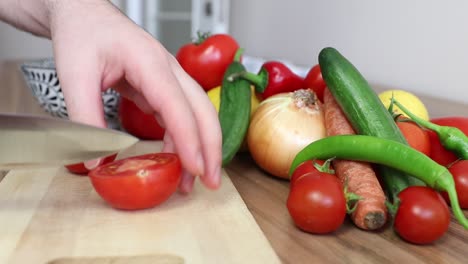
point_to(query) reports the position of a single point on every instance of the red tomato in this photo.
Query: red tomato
(138, 123)
(438, 152)
(207, 61)
(459, 171)
(304, 168)
(422, 216)
(417, 137)
(314, 81)
(317, 203)
(79, 168)
(138, 182)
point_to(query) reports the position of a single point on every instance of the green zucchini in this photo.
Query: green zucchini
(364, 111)
(234, 109)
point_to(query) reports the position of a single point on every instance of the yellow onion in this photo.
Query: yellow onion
(282, 126)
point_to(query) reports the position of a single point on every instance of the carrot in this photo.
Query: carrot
(360, 178)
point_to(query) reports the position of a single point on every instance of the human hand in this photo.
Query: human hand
(97, 47)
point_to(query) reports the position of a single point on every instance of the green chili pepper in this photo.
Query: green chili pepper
(385, 152)
(451, 138)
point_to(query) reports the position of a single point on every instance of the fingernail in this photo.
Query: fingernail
(186, 184)
(200, 165)
(216, 177)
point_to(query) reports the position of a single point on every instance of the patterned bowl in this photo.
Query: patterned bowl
(41, 78)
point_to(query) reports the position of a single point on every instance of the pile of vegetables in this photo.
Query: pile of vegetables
(336, 139)
(344, 151)
(412, 181)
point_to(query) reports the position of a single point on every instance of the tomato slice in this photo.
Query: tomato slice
(138, 182)
(80, 169)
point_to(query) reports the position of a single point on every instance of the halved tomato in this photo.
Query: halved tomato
(138, 182)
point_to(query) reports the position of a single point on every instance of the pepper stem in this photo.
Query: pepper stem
(452, 138)
(238, 55)
(416, 118)
(260, 80)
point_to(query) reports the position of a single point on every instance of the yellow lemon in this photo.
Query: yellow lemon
(407, 99)
(215, 98)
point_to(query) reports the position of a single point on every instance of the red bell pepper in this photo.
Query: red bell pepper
(274, 77)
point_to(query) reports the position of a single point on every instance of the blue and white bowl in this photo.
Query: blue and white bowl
(41, 77)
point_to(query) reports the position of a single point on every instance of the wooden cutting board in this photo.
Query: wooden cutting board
(48, 215)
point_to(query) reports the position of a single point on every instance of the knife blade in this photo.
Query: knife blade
(27, 141)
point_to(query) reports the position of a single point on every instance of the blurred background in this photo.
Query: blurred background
(419, 45)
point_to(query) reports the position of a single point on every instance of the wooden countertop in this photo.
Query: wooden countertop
(266, 196)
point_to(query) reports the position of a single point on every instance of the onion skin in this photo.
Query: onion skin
(282, 126)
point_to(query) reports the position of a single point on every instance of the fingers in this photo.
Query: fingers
(208, 124)
(163, 93)
(187, 180)
(196, 132)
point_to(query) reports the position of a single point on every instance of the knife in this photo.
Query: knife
(28, 141)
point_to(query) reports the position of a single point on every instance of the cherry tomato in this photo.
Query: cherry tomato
(80, 169)
(304, 168)
(314, 81)
(317, 203)
(138, 182)
(459, 171)
(438, 152)
(417, 137)
(422, 216)
(137, 122)
(207, 61)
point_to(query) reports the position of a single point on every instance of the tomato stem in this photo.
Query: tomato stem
(325, 167)
(352, 199)
(393, 207)
(201, 37)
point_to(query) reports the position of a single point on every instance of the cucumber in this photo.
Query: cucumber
(364, 111)
(234, 109)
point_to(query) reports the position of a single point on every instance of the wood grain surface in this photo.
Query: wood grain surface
(49, 213)
(265, 197)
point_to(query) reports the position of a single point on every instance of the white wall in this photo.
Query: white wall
(419, 45)
(15, 44)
